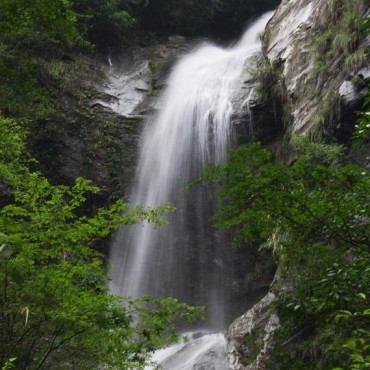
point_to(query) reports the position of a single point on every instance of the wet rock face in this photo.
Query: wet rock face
(244, 101)
(321, 54)
(135, 77)
(126, 89)
(352, 91)
(97, 132)
(250, 336)
(123, 99)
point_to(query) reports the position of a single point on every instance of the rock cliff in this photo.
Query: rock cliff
(316, 49)
(100, 113)
(321, 51)
(250, 336)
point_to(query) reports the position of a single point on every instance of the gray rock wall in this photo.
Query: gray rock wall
(250, 336)
(322, 54)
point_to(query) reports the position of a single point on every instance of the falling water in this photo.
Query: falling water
(186, 259)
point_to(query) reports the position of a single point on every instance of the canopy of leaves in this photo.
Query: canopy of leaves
(315, 216)
(362, 130)
(24, 22)
(55, 308)
(111, 22)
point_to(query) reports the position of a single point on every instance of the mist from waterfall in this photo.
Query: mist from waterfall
(187, 259)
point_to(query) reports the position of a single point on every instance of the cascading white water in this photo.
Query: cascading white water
(199, 351)
(186, 259)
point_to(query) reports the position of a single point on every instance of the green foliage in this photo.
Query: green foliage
(359, 344)
(316, 153)
(12, 151)
(365, 25)
(344, 42)
(21, 93)
(271, 88)
(65, 74)
(314, 215)
(362, 128)
(55, 308)
(38, 22)
(254, 343)
(9, 364)
(110, 22)
(356, 60)
(154, 66)
(323, 41)
(337, 39)
(30, 31)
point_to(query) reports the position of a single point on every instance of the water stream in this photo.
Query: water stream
(188, 259)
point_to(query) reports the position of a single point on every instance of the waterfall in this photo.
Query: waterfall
(187, 259)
